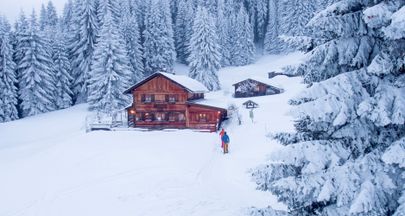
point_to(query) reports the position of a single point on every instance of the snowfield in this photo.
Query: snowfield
(49, 165)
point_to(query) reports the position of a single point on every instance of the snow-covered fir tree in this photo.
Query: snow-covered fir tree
(348, 122)
(82, 46)
(110, 71)
(36, 81)
(48, 32)
(258, 11)
(242, 47)
(67, 16)
(210, 5)
(294, 16)
(21, 32)
(261, 20)
(204, 50)
(43, 17)
(111, 5)
(288, 19)
(62, 69)
(132, 37)
(183, 29)
(272, 42)
(389, 100)
(223, 29)
(8, 79)
(52, 16)
(140, 7)
(159, 50)
(322, 4)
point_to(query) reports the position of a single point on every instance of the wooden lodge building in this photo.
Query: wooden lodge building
(165, 100)
(254, 87)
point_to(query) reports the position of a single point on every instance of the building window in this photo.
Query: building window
(202, 117)
(172, 99)
(182, 117)
(172, 117)
(176, 117)
(148, 98)
(148, 117)
(160, 116)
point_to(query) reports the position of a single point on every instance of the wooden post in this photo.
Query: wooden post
(187, 117)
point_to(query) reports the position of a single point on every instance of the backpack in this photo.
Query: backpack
(225, 138)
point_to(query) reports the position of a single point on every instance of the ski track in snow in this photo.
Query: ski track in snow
(50, 166)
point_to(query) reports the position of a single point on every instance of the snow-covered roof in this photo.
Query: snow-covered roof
(261, 80)
(210, 103)
(186, 82)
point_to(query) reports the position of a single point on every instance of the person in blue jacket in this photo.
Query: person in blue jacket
(225, 140)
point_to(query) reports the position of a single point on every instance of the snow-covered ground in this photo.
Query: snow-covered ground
(50, 166)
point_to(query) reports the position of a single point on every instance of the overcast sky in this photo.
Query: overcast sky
(11, 8)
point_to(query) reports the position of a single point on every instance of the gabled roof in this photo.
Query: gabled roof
(191, 85)
(263, 81)
(255, 79)
(250, 101)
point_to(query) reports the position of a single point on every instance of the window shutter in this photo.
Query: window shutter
(153, 98)
(167, 98)
(143, 98)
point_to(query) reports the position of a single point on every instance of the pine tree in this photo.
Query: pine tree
(35, 74)
(21, 33)
(210, 5)
(108, 5)
(67, 17)
(52, 16)
(43, 17)
(204, 50)
(159, 51)
(82, 46)
(258, 13)
(8, 80)
(183, 29)
(223, 29)
(140, 9)
(261, 19)
(62, 69)
(294, 16)
(272, 42)
(132, 37)
(47, 33)
(322, 4)
(242, 48)
(110, 72)
(349, 121)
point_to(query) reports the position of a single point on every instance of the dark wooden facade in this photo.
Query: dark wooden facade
(252, 88)
(159, 102)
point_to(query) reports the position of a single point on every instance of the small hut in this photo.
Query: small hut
(253, 87)
(250, 104)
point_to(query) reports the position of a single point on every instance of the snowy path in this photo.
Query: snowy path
(49, 166)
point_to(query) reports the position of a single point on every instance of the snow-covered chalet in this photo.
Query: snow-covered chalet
(164, 100)
(255, 87)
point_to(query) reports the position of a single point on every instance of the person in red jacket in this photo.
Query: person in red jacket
(221, 134)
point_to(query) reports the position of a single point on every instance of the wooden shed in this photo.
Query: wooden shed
(253, 87)
(165, 100)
